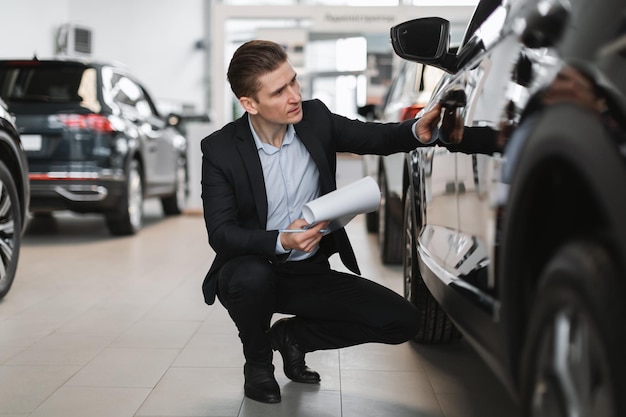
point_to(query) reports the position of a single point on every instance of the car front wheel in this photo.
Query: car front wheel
(389, 229)
(10, 229)
(574, 359)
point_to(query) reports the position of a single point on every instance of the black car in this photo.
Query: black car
(408, 93)
(14, 198)
(515, 238)
(94, 141)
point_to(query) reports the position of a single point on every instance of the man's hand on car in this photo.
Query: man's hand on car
(428, 123)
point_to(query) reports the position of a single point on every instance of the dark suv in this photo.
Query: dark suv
(14, 197)
(94, 140)
(516, 235)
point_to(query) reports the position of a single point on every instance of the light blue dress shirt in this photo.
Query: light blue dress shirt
(291, 180)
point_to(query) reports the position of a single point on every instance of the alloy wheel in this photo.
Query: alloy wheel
(572, 378)
(135, 198)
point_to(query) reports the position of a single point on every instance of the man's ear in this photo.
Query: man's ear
(248, 104)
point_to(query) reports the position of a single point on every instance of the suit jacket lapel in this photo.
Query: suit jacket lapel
(252, 166)
(313, 145)
(252, 163)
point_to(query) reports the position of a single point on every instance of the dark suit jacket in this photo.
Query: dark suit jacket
(233, 189)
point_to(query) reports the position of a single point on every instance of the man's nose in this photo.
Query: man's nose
(294, 93)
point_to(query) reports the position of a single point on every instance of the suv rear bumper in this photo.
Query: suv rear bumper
(68, 192)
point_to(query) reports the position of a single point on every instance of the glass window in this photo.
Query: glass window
(130, 97)
(395, 91)
(490, 30)
(41, 83)
(88, 90)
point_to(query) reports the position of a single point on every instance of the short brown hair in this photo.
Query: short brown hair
(250, 61)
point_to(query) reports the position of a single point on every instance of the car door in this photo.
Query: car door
(497, 84)
(462, 187)
(158, 151)
(162, 137)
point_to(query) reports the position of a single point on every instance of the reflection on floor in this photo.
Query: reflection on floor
(97, 326)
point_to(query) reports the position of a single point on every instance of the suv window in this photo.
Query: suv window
(128, 95)
(398, 86)
(34, 82)
(41, 84)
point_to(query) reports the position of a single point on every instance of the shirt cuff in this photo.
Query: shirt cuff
(443, 138)
(433, 138)
(279, 247)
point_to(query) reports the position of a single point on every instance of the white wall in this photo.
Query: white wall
(326, 19)
(154, 39)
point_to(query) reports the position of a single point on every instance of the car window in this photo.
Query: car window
(489, 32)
(402, 83)
(127, 95)
(130, 95)
(482, 12)
(430, 78)
(88, 90)
(41, 83)
(397, 88)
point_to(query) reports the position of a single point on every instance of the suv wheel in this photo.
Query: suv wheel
(127, 219)
(436, 326)
(573, 364)
(10, 229)
(389, 231)
(175, 204)
(371, 222)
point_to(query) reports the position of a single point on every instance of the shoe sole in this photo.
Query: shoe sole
(262, 398)
(304, 381)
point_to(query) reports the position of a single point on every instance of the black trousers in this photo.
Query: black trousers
(331, 309)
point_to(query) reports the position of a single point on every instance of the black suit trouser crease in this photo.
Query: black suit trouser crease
(332, 309)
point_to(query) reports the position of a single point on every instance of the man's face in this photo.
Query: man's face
(278, 101)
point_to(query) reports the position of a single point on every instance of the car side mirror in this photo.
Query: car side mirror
(425, 40)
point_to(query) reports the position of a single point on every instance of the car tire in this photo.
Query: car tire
(573, 362)
(435, 325)
(127, 219)
(389, 229)
(371, 222)
(176, 203)
(10, 229)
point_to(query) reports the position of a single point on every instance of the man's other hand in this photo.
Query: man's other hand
(306, 238)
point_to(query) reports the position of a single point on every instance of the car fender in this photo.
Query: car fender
(16, 161)
(566, 182)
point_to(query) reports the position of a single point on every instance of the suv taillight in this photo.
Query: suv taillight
(95, 122)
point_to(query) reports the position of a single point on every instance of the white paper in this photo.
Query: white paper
(342, 205)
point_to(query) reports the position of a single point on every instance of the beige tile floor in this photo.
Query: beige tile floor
(97, 326)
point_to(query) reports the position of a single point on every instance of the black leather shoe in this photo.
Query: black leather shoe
(293, 357)
(260, 384)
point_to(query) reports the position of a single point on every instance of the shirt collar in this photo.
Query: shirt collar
(267, 148)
